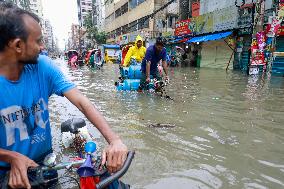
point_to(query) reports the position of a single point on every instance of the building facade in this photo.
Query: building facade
(85, 7)
(220, 32)
(48, 36)
(36, 7)
(99, 14)
(125, 19)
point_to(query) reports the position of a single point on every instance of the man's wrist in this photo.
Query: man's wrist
(8, 156)
(115, 139)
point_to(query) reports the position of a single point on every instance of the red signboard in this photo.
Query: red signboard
(195, 9)
(280, 31)
(182, 28)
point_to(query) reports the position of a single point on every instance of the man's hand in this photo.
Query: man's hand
(167, 80)
(18, 174)
(115, 155)
(148, 80)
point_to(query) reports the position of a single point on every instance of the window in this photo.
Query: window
(132, 4)
(133, 26)
(124, 8)
(140, 1)
(117, 13)
(171, 21)
(95, 21)
(143, 23)
(118, 31)
(124, 29)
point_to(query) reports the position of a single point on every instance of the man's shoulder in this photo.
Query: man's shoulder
(132, 48)
(45, 63)
(150, 48)
(41, 61)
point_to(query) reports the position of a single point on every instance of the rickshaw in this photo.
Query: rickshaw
(124, 52)
(72, 57)
(89, 54)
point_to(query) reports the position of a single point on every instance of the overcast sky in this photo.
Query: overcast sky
(61, 13)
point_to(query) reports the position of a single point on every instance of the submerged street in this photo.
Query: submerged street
(228, 127)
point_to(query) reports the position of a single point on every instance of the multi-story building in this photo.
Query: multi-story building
(99, 14)
(125, 19)
(36, 7)
(48, 36)
(85, 8)
(77, 37)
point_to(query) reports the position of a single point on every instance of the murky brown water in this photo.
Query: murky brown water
(229, 128)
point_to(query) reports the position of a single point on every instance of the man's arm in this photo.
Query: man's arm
(148, 68)
(19, 165)
(165, 67)
(117, 151)
(164, 63)
(89, 110)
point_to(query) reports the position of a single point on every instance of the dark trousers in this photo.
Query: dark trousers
(144, 84)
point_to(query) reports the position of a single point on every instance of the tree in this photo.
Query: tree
(92, 32)
(25, 4)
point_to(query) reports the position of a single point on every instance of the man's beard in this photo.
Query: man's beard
(30, 61)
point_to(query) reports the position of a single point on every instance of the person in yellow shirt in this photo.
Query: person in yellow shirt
(138, 52)
(106, 57)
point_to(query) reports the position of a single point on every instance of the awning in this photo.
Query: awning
(180, 40)
(111, 46)
(210, 37)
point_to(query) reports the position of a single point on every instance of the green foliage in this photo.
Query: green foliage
(25, 4)
(92, 32)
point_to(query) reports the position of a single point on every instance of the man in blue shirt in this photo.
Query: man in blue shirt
(27, 80)
(154, 55)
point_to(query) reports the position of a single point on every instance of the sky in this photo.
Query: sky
(61, 14)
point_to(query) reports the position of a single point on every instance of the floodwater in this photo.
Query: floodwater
(229, 128)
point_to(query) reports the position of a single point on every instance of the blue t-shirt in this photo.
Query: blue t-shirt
(154, 57)
(24, 117)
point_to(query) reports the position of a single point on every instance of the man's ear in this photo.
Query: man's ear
(17, 45)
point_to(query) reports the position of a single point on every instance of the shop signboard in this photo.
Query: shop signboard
(195, 7)
(257, 57)
(203, 24)
(280, 31)
(272, 28)
(281, 10)
(124, 39)
(167, 34)
(182, 28)
(225, 19)
(132, 36)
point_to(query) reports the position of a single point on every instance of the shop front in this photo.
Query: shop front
(216, 51)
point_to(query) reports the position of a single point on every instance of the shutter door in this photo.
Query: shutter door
(216, 54)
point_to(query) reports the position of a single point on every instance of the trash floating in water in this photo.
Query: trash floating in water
(215, 98)
(162, 125)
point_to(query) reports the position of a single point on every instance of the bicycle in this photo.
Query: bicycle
(92, 175)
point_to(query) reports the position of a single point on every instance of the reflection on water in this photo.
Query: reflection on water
(229, 127)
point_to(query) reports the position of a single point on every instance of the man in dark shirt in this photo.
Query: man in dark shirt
(154, 55)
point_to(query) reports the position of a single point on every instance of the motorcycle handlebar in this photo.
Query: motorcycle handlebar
(100, 185)
(119, 173)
